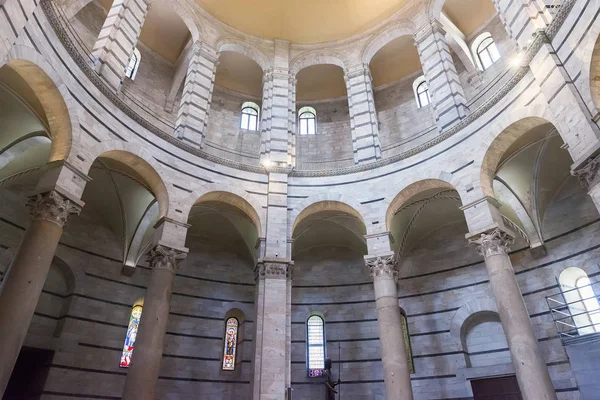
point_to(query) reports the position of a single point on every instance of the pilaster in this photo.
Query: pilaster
(118, 38)
(522, 18)
(192, 117)
(363, 117)
(445, 90)
(589, 177)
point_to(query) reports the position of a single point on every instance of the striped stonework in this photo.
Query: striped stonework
(292, 122)
(14, 14)
(363, 117)
(192, 117)
(522, 18)
(118, 38)
(446, 92)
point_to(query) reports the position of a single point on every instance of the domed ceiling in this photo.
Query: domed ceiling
(302, 21)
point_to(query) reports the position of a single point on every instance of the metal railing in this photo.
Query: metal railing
(576, 311)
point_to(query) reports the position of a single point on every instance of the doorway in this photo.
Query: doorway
(29, 375)
(502, 388)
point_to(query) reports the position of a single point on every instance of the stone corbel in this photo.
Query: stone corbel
(167, 258)
(53, 207)
(494, 242)
(383, 266)
(588, 174)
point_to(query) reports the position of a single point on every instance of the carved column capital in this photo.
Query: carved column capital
(53, 207)
(265, 269)
(496, 242)
(162, 257)
(383, 266)
(588, 174)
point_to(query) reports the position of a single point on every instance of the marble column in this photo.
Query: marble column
(530, 367)
(396, 373)
(22, 285)
(588, 176)
(145, 362)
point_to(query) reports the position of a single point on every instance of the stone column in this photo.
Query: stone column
(14, 14)
(145, 363)
(396, 373)
(363, 117)
(23, 283)
(530, 367)
(446, 92)
(192, 118)
(118, 38)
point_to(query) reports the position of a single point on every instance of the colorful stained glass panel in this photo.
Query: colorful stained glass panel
(132, 329)
(316, 346)
(229, 351)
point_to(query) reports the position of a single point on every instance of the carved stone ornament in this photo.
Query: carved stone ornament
(588, 175)
(53, 207)
(272, 270)
(383, 266)
(162, 257)
(493, 243)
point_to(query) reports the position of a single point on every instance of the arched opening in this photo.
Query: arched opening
(234, 334)
(131, 335)
(485, 50)
(482, 336)
(580, 312)
(595, 75)
(315, 346)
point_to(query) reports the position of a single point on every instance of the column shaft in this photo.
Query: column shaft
(118, 38)
(22, 286)
(396, 373)
(145, 363)
(192, 117)
(363, 117)
(532, 373)
(445, 90)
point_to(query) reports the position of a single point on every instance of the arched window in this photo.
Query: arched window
(580, 303)
(249, 116)
(421, 92)
(315, 346)
(485, 50)
(307, 121)
(406, 336)
(230, 345)
(132, 329)
(134, 64)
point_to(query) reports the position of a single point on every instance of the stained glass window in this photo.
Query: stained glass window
(315, 331)
(230, 346)
(411, 365)
(132, 329)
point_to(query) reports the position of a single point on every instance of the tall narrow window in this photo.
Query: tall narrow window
(132, 329)
(134, 64)
(307, 121)
(249, 116)
(423, 94)
(406, 336)
(486, 51)
(230, 346)
(578, 311)
(315, 332)
(590, 301)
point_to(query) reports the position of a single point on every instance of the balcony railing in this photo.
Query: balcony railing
(576, 310)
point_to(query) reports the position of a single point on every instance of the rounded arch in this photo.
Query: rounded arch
(229, 195)
(324, 202)
(138, 159)
(434, 8)
(591, 69)
(467, 313)
(315, 58)
(244, 48)
(398, 29)
(53, 96)
(411, 191)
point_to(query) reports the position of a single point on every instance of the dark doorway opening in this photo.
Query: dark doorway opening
(29, 375)
(502, 388)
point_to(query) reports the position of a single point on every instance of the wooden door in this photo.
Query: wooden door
(502, 388)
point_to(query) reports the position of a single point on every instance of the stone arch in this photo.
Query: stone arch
(511, 127)
(230, 195)
(52, 94)
(590, 69)
(315, 58)
(326, 201)
(434, 8)
(411, 191)
(398, 29)
(465, 314)
(244, 48)
(138, 159)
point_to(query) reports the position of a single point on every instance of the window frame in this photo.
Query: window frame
(313, 113)
(253, 108)
(235, 347)
(493, 56)
(123, 362)
(419, 93)
(315, 372)
(131, 70)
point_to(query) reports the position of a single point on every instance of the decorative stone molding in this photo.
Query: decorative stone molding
(268, 269)
(383, 266)
(162, 257)
(53, 207)
(588, 174)
(496, 242)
